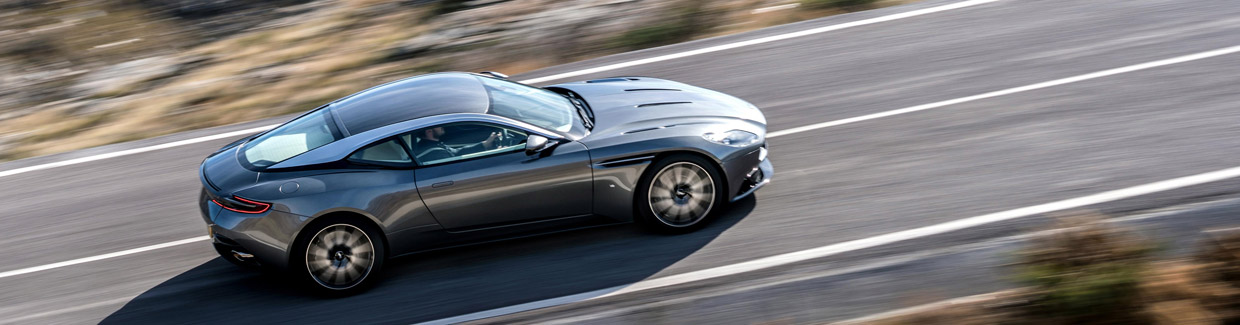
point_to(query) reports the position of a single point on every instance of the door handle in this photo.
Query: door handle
(442, 184)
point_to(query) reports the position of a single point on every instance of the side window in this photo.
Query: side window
(463, 140)
(387, 151)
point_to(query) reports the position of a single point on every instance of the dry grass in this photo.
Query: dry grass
(322, 55)
(1204, 289)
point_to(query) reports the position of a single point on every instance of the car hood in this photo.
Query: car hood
(627, 103)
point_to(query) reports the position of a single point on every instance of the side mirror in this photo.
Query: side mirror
(537, 143)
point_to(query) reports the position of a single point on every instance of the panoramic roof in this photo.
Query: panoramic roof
(416, 97)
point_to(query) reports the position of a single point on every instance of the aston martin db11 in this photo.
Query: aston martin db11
(449, 159)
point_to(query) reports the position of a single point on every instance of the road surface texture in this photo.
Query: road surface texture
(832, 185)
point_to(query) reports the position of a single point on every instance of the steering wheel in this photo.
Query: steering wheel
(507, 139)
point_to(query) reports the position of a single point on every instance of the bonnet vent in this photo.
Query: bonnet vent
(663, 103)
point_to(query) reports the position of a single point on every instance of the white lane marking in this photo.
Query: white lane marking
(76, 161)
(768, 261)
(1052, 83)
(768, 39)
(889, 261)
(101, 257)
(853, 245)
(775, 8)
(1136, 67)
(756, 41)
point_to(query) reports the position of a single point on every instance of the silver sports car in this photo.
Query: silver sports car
(449, 159)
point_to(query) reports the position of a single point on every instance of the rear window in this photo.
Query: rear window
(303, 134)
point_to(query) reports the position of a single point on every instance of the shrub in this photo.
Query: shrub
(1220, 271)
(1085, 271)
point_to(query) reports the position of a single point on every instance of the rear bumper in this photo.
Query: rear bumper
(252, 239)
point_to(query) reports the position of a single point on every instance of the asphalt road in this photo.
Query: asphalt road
(832, 185)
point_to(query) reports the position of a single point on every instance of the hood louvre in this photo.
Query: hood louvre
(663, 103)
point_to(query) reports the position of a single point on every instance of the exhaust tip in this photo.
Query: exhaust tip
(242, 256)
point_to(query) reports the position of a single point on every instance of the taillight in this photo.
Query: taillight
(242, 205)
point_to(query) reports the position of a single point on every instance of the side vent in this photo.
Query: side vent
(663, 103)
(626, 161)
(642, 130)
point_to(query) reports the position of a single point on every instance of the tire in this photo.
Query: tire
(679, 194)
(338, 256)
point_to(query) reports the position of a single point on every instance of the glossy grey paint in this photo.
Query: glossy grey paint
(509, 188)
(625, 130)
(587, 178)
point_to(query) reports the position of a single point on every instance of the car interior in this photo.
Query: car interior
(456, 135)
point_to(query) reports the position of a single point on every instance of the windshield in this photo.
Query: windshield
(303, 134)
(531, 105)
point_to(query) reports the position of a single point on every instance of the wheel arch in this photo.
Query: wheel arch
(706, 156)
(350, 215)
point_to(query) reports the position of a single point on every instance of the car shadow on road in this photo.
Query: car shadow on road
(433, 285)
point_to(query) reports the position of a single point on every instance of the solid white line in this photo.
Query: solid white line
(768, 39)
(1009, 91)
(853, 245)
(100, 257)
(717, 48)
(76, 161)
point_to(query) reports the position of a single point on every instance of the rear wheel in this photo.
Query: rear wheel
(679, 194)
(339, 256)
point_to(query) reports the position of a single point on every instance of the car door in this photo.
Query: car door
(491, 187)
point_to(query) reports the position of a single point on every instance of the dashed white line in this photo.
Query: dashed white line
(115, 154)
(849, 246)
(762, 40)
(771, 261)
(1009, 91)
(768, 39)
(775, 8)
(100, 257)
(655, 282)
(853, 245)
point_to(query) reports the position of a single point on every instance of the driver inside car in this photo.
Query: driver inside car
(430, 147)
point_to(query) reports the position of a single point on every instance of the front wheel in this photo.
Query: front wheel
(339, 257)
(679, 194)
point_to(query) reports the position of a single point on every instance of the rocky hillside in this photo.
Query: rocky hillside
(76, 74)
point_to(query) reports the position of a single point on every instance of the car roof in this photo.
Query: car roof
(411, 98)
